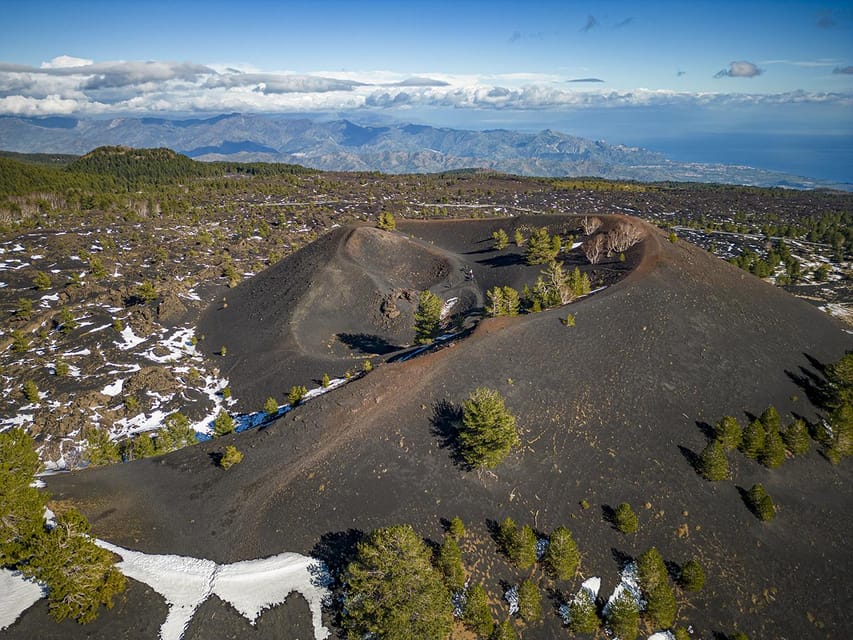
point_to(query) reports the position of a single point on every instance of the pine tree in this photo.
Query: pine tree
(494, 302)
(753, 440)
(80, 576)
(525, 548)
(456, 528)
(477, 615)
(561, 557)
(623, 618)
(449, 563)
(21, 505)
(771, 419)
(295, 395)
(582, 614)
(511, 302)
(392, 589)
(796, 437)
(625, 518)
(223, 424)
(326, 381)
(31, 391)
(386, 221)
(541, 247)
(529, 601)
(176, 434)
(773, 453)
(41, 281)
(728, 432)
(230, 457)
(501, 240)
(507, 537)
(760, 503)
(143, 446)
(100, 449)
(427, 317)
(712, 462)
(518, 237)
(661, 606)
(504, 631)
(488, 430)
(271, 406)
(692, 576)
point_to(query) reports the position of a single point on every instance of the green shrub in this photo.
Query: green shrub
(230, 457)
(488, 430)
(20, 341)
(712, 462)
(506, 537)
(476, 613)
(625, 519)
(176, 433)
(326, 381)
(367, 365)
(146, 292)
(692, 576)
(760, 503)
(561, 557)
(728, 432)
(142, 447)
(24, 310)
(542, 247)
(529, 601)
(518, 238)
(771, 419)
(60, 368)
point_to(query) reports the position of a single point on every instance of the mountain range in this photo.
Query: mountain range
(342, 145)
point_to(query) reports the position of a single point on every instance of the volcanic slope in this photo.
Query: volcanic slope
(611, 409)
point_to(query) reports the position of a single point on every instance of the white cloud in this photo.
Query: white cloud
(161, 86)
(64, 62)
(739, 69)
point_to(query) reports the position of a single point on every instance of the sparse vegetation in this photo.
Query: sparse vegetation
(271, 406)
(386, 221)
(31, 391)
(223, 424)
(42, 281)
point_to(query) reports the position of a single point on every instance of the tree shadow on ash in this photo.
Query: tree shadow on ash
(367, 343)
(691, 457)
(504, 260)
(706, 429)
(336, 549)
(445, 421)
(814, 384)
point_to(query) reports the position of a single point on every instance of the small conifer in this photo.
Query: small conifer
(625, 518)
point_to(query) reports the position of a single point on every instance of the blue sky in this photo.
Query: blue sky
(606, 66)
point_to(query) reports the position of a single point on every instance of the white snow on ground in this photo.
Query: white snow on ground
(249, 586)
(254, 585)
(592, 585)
(184, 582)
(662, 635)
(630, 582)
(130, 339)
(113, 388)
(447, 306)
(19, 594)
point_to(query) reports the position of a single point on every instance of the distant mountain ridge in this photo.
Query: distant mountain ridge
(343, 145)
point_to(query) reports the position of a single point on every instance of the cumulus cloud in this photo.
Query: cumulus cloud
(63, 62)
(591, 23)
(180, 87)
(739, 69)
(848, 70)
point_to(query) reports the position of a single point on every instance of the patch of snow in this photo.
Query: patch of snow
(113, 388)
(592, 585)
(511, 596)
(250, 586)
(130, 339)
(630, 582)
(80, 352)
(447, 306)
(662, 635)
(19, 594)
